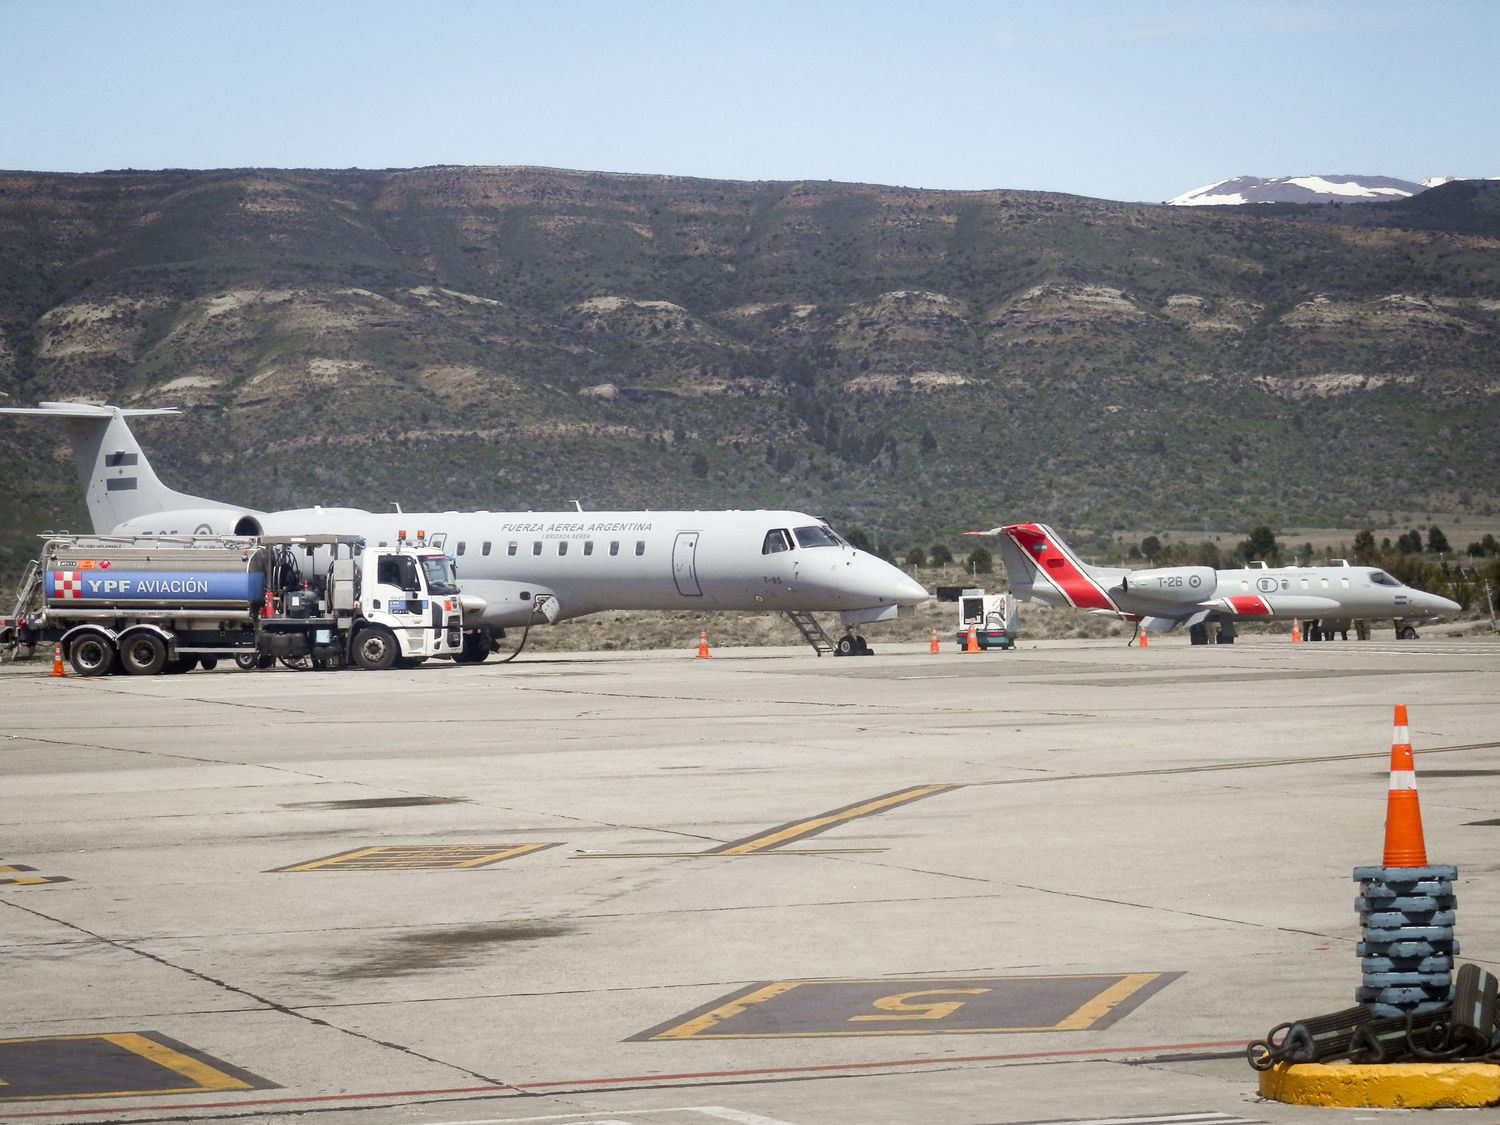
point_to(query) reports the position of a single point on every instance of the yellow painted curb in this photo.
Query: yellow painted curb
(1384, 1085)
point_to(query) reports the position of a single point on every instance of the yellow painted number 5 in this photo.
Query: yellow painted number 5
(905, 1006)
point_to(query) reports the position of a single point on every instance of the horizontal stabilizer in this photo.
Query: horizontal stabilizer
(87, 410)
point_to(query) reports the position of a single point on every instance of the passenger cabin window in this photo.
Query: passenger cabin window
(460, 546)
(614, 546)
(1304, 584)
(588, 546)
(816, 537)
(510, 549)
(485, 550)
(640, 546)
(778, 539)
(536, 547)
(562, 547)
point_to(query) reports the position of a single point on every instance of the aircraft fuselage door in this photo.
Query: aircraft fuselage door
(685, 564)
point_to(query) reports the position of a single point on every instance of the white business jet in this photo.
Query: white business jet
(1042, 568)
(531, 567)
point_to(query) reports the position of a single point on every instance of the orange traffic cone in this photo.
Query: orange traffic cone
(1141, 641)
(57, 664)
(971, 643)
(933, 646)
(1296, 632)
(1404, 846)
(703, 653)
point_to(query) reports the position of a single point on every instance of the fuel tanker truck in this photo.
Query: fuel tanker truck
(155, 603)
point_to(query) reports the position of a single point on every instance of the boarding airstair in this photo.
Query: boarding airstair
(811, 631)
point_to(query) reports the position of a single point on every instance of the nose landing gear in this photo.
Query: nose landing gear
(851, 644)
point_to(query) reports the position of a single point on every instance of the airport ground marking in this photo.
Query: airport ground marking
(20, 875)
(418, 857)
(771, 841)
(112, 1065)
(799, 829)
(1217, 767)
(1233, 1048)
(863, 1007)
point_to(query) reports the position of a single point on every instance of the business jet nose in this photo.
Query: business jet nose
(1436, 603)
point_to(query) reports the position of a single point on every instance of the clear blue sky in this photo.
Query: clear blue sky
(1118, 99)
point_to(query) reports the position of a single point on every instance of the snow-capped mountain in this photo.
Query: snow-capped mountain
(1303, 189)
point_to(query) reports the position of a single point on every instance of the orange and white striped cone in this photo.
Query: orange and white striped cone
(933, 644)
(1404, 846)
(703, 653)
(1141, 641)
(971, 644)
(1296, 632)
(57, 664)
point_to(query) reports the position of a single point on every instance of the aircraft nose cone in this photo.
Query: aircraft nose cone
(892, 584)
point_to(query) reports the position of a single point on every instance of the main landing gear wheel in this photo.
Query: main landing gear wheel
(476, 649)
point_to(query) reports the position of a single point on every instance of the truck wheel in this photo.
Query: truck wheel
(374, 648)
(209, 662)
(180, 665)
(246, 661)
(143, 654)
(91, 655)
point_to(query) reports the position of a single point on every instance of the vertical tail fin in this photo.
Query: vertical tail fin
(1042, 568)
(118, 481)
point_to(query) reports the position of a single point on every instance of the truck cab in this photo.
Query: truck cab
(334, 598)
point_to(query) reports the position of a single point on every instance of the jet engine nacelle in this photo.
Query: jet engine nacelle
(512, 604)
(194, 521)
(1171, 585)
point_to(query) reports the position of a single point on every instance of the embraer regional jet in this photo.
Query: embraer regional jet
(1042, 568)
(530, 567)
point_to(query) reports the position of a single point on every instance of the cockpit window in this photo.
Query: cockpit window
(777, 539)
(1381, 578)
(819, 536)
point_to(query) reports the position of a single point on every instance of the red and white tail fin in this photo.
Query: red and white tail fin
(1042, 568)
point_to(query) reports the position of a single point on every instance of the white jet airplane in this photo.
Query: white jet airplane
(530, 567)
(1042, 568)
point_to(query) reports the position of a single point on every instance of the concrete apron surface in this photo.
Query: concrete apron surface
(1068, 882)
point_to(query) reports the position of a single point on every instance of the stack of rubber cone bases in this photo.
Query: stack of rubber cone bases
(1407, 907)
